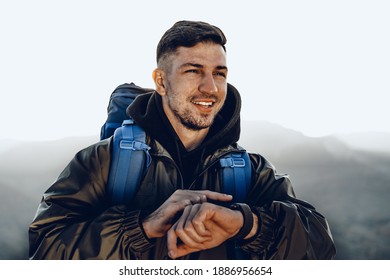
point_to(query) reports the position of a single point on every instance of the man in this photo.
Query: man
(192, 119)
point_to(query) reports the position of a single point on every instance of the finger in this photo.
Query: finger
(184, 229)
(172, 235)
(172, 243)
(176, 232)
(199, 196)
(210, 195)
(196, 230)
(183, 250)
(197, 219)
(193, 197)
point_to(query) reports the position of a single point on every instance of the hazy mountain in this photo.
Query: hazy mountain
(369, 141)
(6, 144)
(349, 186)
(26, 170)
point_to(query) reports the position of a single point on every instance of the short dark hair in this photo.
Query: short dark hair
(187, 34)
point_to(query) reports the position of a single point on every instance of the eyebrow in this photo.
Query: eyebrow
(196, 65)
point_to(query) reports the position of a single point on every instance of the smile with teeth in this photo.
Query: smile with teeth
(203, 103)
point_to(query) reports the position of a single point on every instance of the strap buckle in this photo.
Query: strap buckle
(232, 162)
(133, 145)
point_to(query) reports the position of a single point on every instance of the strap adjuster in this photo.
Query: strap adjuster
(128, 122)
(232, 162)
(133, 145)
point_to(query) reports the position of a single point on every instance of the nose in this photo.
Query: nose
(208, 84)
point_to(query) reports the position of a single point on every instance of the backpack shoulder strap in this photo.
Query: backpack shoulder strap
(236, 180)
(129, 163)
(236, 175)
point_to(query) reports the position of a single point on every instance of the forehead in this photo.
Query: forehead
(206, 54)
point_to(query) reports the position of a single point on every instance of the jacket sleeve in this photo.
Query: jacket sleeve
(74, 219)
(289, 228)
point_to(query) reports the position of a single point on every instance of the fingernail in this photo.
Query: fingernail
(171, 254)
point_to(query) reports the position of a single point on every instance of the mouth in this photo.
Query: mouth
(204, 105)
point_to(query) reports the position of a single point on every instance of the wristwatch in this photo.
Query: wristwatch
(248, 219)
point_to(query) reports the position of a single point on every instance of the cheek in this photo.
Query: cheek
(176, 101)
(223, 98)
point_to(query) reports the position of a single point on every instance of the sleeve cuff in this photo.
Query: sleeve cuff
(264, 234)
(139, 242)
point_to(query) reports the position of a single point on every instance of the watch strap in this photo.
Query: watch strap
(248, 219)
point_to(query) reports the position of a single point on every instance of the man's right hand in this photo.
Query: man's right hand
(160, 221)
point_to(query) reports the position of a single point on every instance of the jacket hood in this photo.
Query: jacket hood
(147, 111)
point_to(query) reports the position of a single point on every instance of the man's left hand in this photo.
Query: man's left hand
(202, 226)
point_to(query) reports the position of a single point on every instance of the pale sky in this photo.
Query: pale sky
(319, 67)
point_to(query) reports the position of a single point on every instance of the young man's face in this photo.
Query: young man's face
(195, 85)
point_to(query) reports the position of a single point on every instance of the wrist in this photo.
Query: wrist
(254, 227)
(147, 226)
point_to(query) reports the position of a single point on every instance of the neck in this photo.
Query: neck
(191, 139)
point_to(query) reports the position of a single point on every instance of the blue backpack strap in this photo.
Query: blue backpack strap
(236, 180)
(236, 175)
(129, 163)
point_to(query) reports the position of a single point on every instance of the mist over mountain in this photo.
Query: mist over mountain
(369, 141)
(26, 170)
(347, 183)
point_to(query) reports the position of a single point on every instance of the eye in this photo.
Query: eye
(192, 71)
(222, 74)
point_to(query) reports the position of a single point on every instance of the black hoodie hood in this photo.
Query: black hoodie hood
(147, 111)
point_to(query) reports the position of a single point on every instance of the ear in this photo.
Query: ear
(158, 77)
